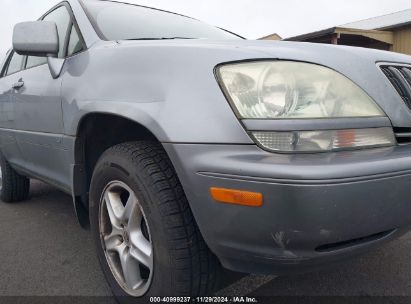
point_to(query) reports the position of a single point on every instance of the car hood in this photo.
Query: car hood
(302, 51)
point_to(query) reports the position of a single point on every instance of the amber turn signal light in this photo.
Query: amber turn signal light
(230, 196)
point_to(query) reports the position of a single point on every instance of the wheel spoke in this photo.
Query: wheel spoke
(141, 248)
(130, 268)
(112, 242)
(114, 208)
(129, 209)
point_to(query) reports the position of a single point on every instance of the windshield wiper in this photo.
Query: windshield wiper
(160, 38)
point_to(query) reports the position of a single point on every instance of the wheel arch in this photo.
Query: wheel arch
(96, 132)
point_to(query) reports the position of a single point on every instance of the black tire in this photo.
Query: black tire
(14, 187)
(183, 264)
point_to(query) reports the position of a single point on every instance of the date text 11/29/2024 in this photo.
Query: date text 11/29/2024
(203, 300)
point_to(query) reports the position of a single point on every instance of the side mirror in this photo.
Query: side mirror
(36, 38)
(41, 39)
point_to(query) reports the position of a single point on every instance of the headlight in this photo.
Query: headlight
(295, 90)
(287, 89)
(329, 140)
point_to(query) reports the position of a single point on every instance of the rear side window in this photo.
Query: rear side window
(3, 64)
(15, 64)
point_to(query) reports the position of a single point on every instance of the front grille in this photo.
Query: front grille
(400, 77)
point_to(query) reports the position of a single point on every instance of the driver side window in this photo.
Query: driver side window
(15, 64)
(33, 61)
(62, 19)
(65, 28)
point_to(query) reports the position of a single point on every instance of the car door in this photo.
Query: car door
(9, 81)
(38, 112)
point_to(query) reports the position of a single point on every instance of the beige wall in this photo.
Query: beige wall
(271, 37)
(402, 40)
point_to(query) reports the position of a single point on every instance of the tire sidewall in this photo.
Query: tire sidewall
(115, 168)
(14, 187)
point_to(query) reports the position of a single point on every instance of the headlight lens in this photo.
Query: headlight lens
(290, 90)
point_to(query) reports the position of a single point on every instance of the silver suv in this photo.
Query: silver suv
(186, 147)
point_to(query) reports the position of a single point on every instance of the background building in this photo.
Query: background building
(272, 37)
(389, 32)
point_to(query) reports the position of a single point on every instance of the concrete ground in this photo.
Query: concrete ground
(44, 252)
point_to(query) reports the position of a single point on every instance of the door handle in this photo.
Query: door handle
(18, 85)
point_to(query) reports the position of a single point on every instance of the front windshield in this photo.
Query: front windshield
(121, 21)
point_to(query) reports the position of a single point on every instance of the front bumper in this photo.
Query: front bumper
(318, 208)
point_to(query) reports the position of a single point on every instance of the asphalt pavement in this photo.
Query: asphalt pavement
(44, 252)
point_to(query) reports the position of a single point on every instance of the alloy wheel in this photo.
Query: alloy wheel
(126, 240)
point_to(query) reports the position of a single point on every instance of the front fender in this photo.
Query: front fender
(170, 95)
